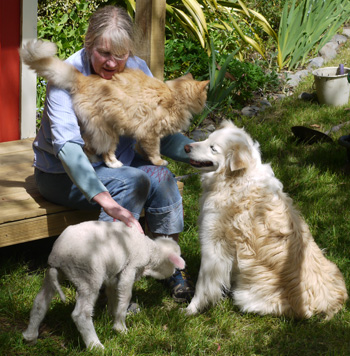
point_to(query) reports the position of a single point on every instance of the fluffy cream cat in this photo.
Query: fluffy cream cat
(131, 103)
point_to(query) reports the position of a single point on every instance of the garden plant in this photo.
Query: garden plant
(316, 177)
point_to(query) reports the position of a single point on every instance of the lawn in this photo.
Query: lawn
(313, 175)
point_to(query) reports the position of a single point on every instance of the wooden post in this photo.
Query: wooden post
(150, 21)
(28, 76)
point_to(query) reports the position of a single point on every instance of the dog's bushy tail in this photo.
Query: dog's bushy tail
(40, 56)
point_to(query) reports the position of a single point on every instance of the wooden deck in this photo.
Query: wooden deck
(25, 214)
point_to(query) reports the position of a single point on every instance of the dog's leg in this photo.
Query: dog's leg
(40, 306)
(82, 316)
(214, 275)
(151, 147)
(124, 290)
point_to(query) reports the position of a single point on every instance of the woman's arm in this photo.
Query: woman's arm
(172, 146)
(83, 175)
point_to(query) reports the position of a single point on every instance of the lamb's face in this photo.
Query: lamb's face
(167, 260)
(162, 271)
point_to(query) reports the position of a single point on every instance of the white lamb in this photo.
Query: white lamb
(96, 253)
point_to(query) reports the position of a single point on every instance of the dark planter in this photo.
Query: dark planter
(345, 141)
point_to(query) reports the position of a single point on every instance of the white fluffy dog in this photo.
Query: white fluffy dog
(254, 243)
(96, 253)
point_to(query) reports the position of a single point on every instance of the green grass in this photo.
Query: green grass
(312, 176)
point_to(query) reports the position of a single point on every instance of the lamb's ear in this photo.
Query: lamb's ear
(238, 157)
(177, 261)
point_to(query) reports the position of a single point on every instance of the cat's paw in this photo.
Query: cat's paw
(113, 164)
(160, 162)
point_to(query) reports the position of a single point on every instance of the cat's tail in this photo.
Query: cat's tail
(40, 56)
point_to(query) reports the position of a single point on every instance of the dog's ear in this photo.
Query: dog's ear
(239, 156)
(177, 261)
(227, 124)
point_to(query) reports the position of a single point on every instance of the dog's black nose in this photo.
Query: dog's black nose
(187, 148)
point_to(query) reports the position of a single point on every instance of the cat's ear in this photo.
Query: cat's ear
(187, 76)
(205, 84)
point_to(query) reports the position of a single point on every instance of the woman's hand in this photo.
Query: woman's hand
(116, 211)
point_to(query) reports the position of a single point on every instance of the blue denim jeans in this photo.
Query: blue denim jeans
(134, 187)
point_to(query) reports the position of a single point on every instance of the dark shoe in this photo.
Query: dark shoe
(182, 289)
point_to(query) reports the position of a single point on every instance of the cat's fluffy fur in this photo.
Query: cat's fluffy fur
(131, 103)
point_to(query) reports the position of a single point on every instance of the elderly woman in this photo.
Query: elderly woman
(65, 176)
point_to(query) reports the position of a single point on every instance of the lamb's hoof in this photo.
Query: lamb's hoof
(96, 346)
(29, 339)
(120, 327)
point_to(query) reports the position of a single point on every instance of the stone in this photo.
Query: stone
(292, 80)
(302, 73)
(199, 135)
(250, 111)
(264, 103)
(315, 63)
(210, 128)
(346, 32)
(339, 39)
(329, 51)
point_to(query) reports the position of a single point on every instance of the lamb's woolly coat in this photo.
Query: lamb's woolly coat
(97, 253)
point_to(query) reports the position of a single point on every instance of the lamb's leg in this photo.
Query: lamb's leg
(124, 291)
(151, 147)
(82, 316)
(40, 306)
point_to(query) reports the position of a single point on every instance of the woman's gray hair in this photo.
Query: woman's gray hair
(113, 24)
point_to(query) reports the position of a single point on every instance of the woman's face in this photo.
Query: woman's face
(104, 63)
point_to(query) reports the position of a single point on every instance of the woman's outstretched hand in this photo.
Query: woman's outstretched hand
(116, 211)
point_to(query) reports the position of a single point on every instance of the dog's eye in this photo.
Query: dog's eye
(213, 149)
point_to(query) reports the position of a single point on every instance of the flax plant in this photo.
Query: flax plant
(306, 27)
(218, 91)
(196, 17)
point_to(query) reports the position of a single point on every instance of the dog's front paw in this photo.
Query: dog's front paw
(191, 309)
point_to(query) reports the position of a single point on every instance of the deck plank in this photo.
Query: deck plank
(25, 214)
(44, 226)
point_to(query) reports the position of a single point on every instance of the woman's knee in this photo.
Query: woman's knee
(140, 184)
(163, 185)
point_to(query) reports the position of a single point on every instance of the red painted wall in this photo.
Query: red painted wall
(10, 23)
